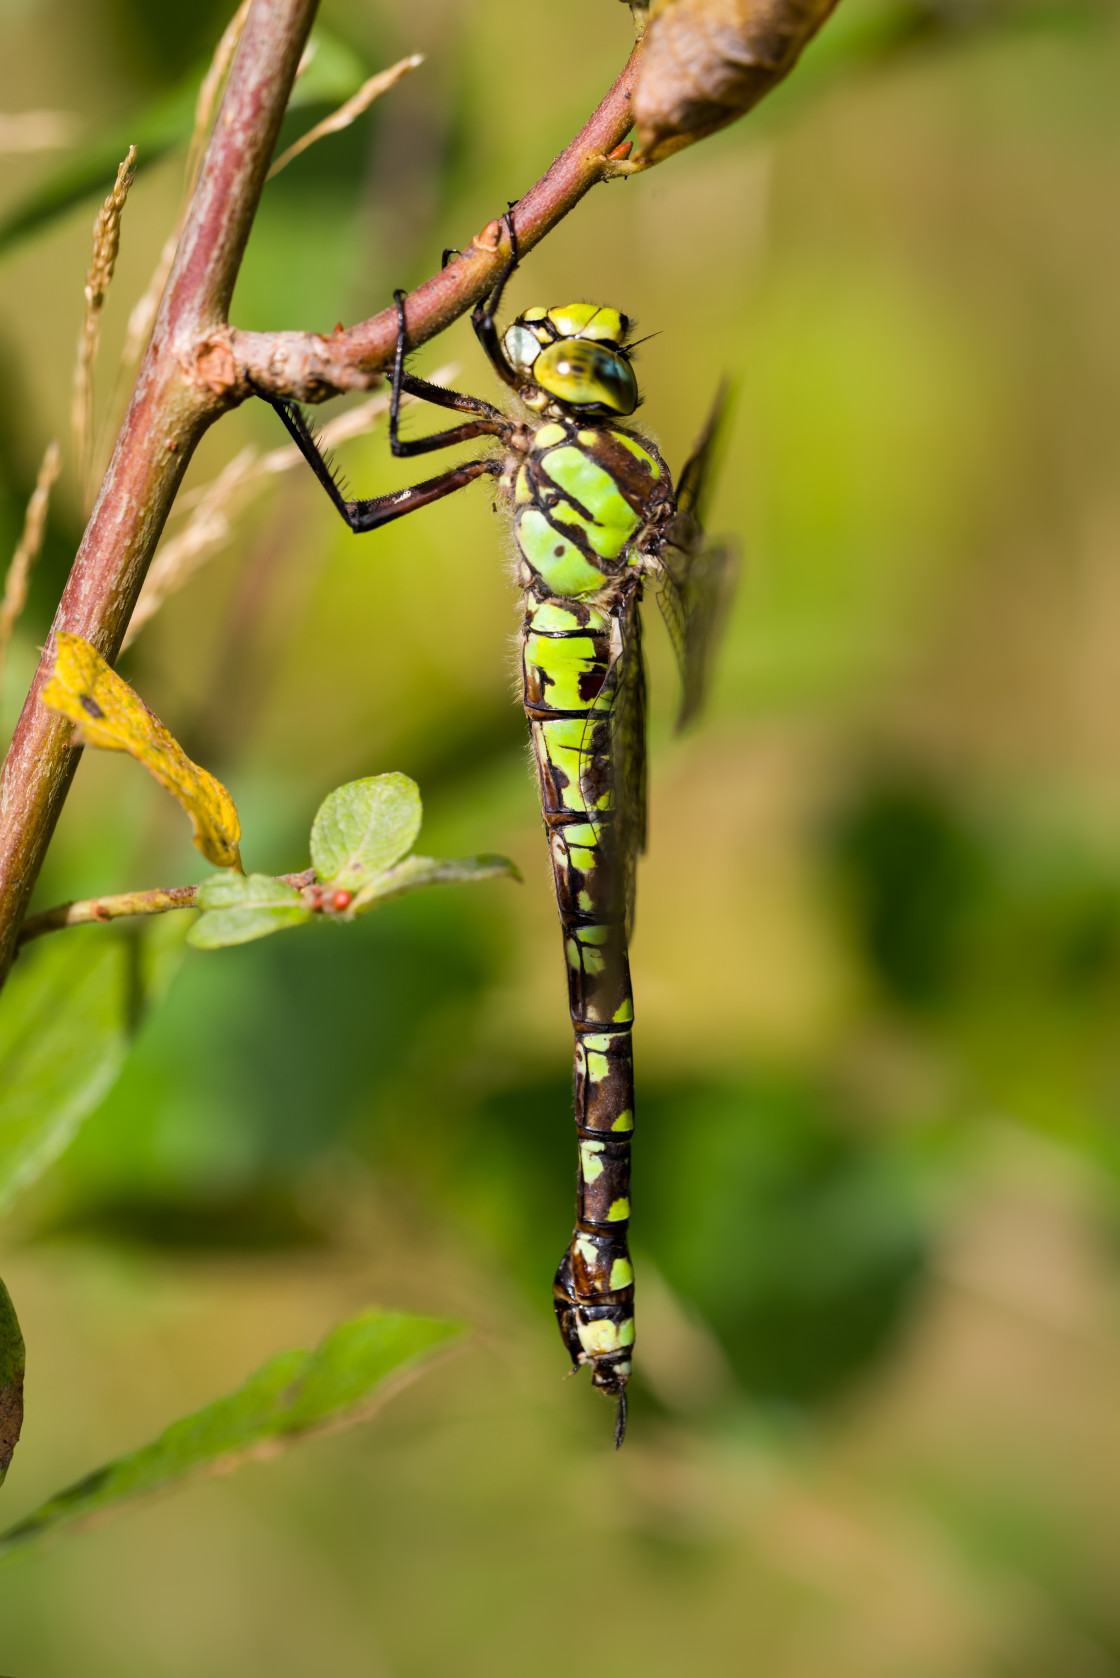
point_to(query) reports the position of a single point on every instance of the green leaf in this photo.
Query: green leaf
(11, 1380)
(241, 907)
(364, 827)
(417, 871)
(64, 1020)
(289, 1397)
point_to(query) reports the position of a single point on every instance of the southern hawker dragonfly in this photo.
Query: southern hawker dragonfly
(596, 520)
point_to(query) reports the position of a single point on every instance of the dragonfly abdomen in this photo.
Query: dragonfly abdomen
(566, 653)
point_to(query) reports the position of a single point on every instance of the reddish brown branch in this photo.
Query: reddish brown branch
(172, 404)
(312, 368)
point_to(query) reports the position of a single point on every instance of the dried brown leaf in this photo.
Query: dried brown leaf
(709, 61)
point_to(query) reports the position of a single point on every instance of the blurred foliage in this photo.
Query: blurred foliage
(164, 125)
(293, 1395)
(877, 969)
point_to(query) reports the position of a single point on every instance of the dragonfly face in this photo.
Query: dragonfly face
(573, 360)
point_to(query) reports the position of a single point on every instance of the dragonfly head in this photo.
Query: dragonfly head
(577, 356)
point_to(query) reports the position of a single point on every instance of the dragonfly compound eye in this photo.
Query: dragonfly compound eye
(584, 374)
(521, 347)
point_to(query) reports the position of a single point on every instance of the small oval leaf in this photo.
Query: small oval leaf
(241, 907)
(418, 871)
(364, 827)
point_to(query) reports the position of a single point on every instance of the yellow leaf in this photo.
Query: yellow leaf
(108, 714)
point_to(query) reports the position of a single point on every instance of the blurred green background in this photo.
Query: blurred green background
(877, 964)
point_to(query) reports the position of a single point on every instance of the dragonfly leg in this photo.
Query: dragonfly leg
(485, 314)
(379, 509)
(487, 422)
(382, 509)
(308, 445)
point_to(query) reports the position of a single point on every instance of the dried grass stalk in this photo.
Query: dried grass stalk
(28, 549)
(106, 244)
(348, 113)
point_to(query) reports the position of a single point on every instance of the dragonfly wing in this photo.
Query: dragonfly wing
(624, 836)
(695, 482)
(628, 739)
(695, 575)
(693, 592)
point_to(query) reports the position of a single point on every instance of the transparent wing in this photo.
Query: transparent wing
(696, 576)
(695, 482)
(624, 836)
(693, 592)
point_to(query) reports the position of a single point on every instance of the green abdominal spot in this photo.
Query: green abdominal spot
(597, 1042)
(569, 664)
(563, 744)
(590, 1160)
(594, 934)
(602, 1337)
(553, 617)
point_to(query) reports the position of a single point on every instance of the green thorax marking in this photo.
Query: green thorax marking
(580, 497)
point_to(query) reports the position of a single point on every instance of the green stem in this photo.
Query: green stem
(97, 910)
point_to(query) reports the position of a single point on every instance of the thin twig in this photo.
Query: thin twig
(106, 244)
(311, 368)
(97, 910)
(27, 551)
(348, 113)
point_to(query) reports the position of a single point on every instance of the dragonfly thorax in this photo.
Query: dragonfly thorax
(581, 495)
(576, 357)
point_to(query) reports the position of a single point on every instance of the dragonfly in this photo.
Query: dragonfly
(596, 523)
